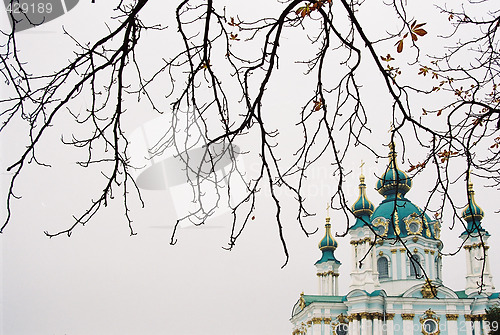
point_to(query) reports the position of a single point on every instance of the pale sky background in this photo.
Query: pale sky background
(103, 281)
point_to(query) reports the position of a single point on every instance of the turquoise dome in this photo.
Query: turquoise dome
(473, 214)
(395, 215)
(328, 245)
(327, 242)
(399, 216)
(472, 211)
(393, 180)
(362, 206)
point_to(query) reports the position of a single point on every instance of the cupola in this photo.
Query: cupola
(362, 206)
(328, 245)
(472, 211)
(393, 181)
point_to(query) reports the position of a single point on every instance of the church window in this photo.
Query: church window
(383, 268)
(415, 270)
(414, 227)
(341, 329)
(430, 326)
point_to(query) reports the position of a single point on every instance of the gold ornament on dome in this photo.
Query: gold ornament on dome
(381, 222)
(413, 224)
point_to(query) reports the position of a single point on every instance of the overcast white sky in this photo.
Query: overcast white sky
(102, 281)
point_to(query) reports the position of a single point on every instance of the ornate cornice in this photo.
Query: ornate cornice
(365, 315)
(475, 317)
(316, 321)
(407, 316)
(327, 273)
(475, 245)
(361, 241)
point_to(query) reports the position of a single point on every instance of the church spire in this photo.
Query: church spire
(328, 265)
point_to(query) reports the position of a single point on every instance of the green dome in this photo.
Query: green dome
(328, 242)
(473, 214)
(396, 215)
(472, 211)
(400, 217)
(362, 206)
(393, 180)
(327, 245)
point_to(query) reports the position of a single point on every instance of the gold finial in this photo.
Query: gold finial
(391, 128)
(361, 167)
(470, 186)
(327, 209)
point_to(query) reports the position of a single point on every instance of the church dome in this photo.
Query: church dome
(362, 206)
(393, 180)
(472, 212)
(327, 245)
(396, 215)
(328, 242)
(400, 217)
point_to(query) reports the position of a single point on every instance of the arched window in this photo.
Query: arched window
(415, 270)
(383, 268)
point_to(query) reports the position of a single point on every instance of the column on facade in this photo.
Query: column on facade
(477, 324)
(330, 283)
(468, 264)
(374, 262)
(336, 288)
(487, 267)
(377, 329)
(364, 324)
(355, 324)
(389, 317)
(451, 324)
(369, 324)
(486, 325)
(433, 265)
(427, 263)
(353, 256)
(319, 283)
(407, 323)
(394, 264)
(468, 324)
(316, 326)
(403, 263)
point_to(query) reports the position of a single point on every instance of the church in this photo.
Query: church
(396, 282)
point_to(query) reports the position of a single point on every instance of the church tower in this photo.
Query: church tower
(363, 272)
(328, 265)
(478, 278)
